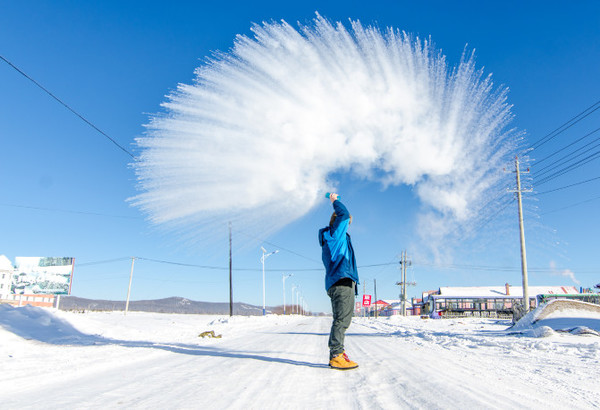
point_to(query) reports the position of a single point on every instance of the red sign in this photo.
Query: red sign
(366, 300)
(357, 308)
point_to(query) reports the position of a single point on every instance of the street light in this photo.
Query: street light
(294, 287)
(264, 256)
(284, 277)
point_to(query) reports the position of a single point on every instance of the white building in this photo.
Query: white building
(487, 300)
(6, 271)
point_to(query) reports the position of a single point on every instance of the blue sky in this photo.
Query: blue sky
(66, 186)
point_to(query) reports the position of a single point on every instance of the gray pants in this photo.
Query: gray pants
(342, 306)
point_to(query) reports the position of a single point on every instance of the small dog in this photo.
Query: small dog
(209, 333)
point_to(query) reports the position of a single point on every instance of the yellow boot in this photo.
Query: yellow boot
(342, 362)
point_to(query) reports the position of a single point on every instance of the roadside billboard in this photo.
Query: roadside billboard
(42, 275)
(366, 300)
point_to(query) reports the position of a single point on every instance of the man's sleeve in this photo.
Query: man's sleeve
(340, 226)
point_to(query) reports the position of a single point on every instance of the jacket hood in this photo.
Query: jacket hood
(322, 235)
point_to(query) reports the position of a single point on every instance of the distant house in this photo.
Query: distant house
(382, 304)
(379, 306)
(394, 308)
(485, 301)
(416, 306)
(387, 307)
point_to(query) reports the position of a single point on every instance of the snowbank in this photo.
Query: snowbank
(153, 360)
(39, 324)
(561, 315)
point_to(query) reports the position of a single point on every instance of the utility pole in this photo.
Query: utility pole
(364, 291)
(230, 276)
(129, 288)
(404, 284)
(404, 262)
(522, 236)
(375, 291)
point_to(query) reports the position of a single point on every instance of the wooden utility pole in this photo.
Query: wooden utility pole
(522, 237)
(129, 288)
(404, 283)
(364, 309)
(375, 290)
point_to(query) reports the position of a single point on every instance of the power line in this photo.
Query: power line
(567, 186)
(492, 217)
(477, 267)
(566, 125)
(572, 205)
(564, 148)
(570, 168)
(66, 106)
(184, 264)
(548, 168)
(189, 265)
(277, 246)
(500, 195)
(485, 221)
(495, 268)
(102, 262)
(384, 266)
(68, 211)
(437, 265)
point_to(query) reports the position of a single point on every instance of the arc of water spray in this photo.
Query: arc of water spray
(258, 133)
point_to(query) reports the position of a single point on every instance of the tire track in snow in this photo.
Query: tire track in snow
(427, 374)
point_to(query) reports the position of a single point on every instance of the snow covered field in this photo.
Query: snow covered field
(53, 359)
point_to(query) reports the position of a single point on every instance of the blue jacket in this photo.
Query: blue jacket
(337, 252)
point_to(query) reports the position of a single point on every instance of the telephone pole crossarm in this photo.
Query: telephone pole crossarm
(404, 263)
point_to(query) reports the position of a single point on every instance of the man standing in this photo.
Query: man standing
(341, 278)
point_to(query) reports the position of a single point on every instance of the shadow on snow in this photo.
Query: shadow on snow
(40, 325)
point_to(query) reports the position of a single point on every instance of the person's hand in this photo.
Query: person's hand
(333, 196)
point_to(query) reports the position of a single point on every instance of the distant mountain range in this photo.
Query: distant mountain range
(168, 305)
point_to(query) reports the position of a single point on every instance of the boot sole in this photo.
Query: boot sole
(343, 368)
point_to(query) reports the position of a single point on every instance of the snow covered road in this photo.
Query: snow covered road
(147, 360)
